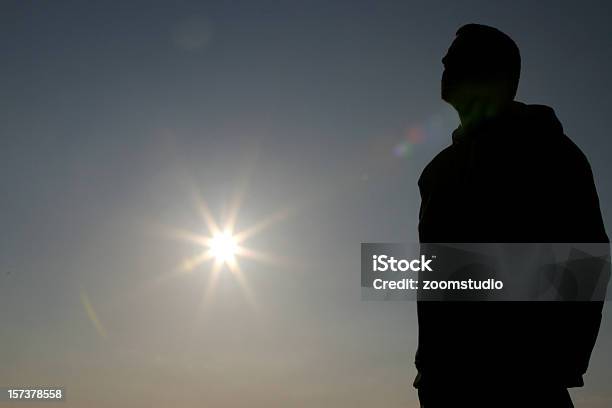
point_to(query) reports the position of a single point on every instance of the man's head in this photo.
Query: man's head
(481, 66)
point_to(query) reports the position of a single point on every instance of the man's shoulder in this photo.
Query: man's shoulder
(570, 151)
(561, 155)
(546, 134)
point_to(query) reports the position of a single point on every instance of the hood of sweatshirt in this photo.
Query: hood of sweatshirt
(520, 119)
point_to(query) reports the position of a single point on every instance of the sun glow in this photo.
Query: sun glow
(223, 247)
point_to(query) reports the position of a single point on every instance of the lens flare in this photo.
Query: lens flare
(221, 247)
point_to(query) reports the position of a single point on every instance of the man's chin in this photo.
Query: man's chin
(444, 94)
(449, 95)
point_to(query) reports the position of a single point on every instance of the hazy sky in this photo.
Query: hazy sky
(112, 115)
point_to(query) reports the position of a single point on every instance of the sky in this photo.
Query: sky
(119, 120)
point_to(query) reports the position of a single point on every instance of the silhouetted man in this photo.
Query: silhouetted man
(510, 175)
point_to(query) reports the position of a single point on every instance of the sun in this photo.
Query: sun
(223, 246)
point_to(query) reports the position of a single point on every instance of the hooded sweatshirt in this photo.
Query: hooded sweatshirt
(514, 178)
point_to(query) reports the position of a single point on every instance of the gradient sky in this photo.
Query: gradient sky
(112, 115)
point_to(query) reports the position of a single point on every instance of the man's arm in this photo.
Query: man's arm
(578, 220)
